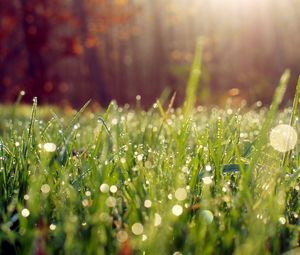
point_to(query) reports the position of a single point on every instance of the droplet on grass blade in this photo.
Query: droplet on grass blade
(45, 188)
(283, 138)
(181, 194)
(137, 228)
(207, 180)
(111, 202)
(177, 210)
(282, 220)
(208, 216)
(208, 168)
(113, 189)
(49, 147)
(122, 236)
(25, 212)
(104, 188)
(52, 227)
(157, 219)
(147, 203)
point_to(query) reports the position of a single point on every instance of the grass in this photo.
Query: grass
(175, 181)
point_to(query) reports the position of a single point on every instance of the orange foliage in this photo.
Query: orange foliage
(36, 34)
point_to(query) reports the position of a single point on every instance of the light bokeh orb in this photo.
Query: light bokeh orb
(208, 216)
(50, 147)
(283, 138)
(137, 228)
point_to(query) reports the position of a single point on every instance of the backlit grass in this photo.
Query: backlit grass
(162, 181)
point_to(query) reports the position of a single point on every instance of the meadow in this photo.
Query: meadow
(122, 180)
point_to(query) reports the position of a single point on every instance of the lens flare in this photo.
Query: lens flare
(283, 138)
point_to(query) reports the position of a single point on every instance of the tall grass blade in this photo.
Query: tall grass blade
(193, 82)
(263, 135)
(287, 155)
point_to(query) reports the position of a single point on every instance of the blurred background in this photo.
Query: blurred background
(68, 51)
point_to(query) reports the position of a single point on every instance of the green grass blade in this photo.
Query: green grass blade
(193, 82)
(263, 135)
(292, 119)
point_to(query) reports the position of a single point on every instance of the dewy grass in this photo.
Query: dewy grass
(157, 183)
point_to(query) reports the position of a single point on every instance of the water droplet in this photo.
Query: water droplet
(45, 188)
(85, 203)
(148, 164)
(181, 194)
(208, 216)
(114, 121)
(208, 168)
(157, 219)
(177, 210)
(122, 236)
(282, 220)
(137, 228)
(184, 169)
(113, 189)
(177, 253)
(111, 202)
(147, 203)
(49, 147)
(25, 212)
(104, 188)
(207, 180)
(52, 227)
(283, 138)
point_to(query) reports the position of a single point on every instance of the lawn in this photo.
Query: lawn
(122, 180)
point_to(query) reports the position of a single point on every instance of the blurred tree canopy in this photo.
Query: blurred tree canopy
(67, 51)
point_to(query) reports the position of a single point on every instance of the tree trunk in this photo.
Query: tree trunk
(36, 31)
(91, 56)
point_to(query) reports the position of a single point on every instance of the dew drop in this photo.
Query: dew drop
(113, 189)
(45, 188)
(122, 236)
(137, 228)
(181, 194)
(104, 188)
(111, 202)
(208, 216)
(177, 253)
(140, 157)
(283, 138)
(25, 212)
(52, 227)
(282, 220)
(208, 168)
(177, 210)
(157, 219)
(85, 203)
(147, 203)
(49, 147)
(207, 180)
